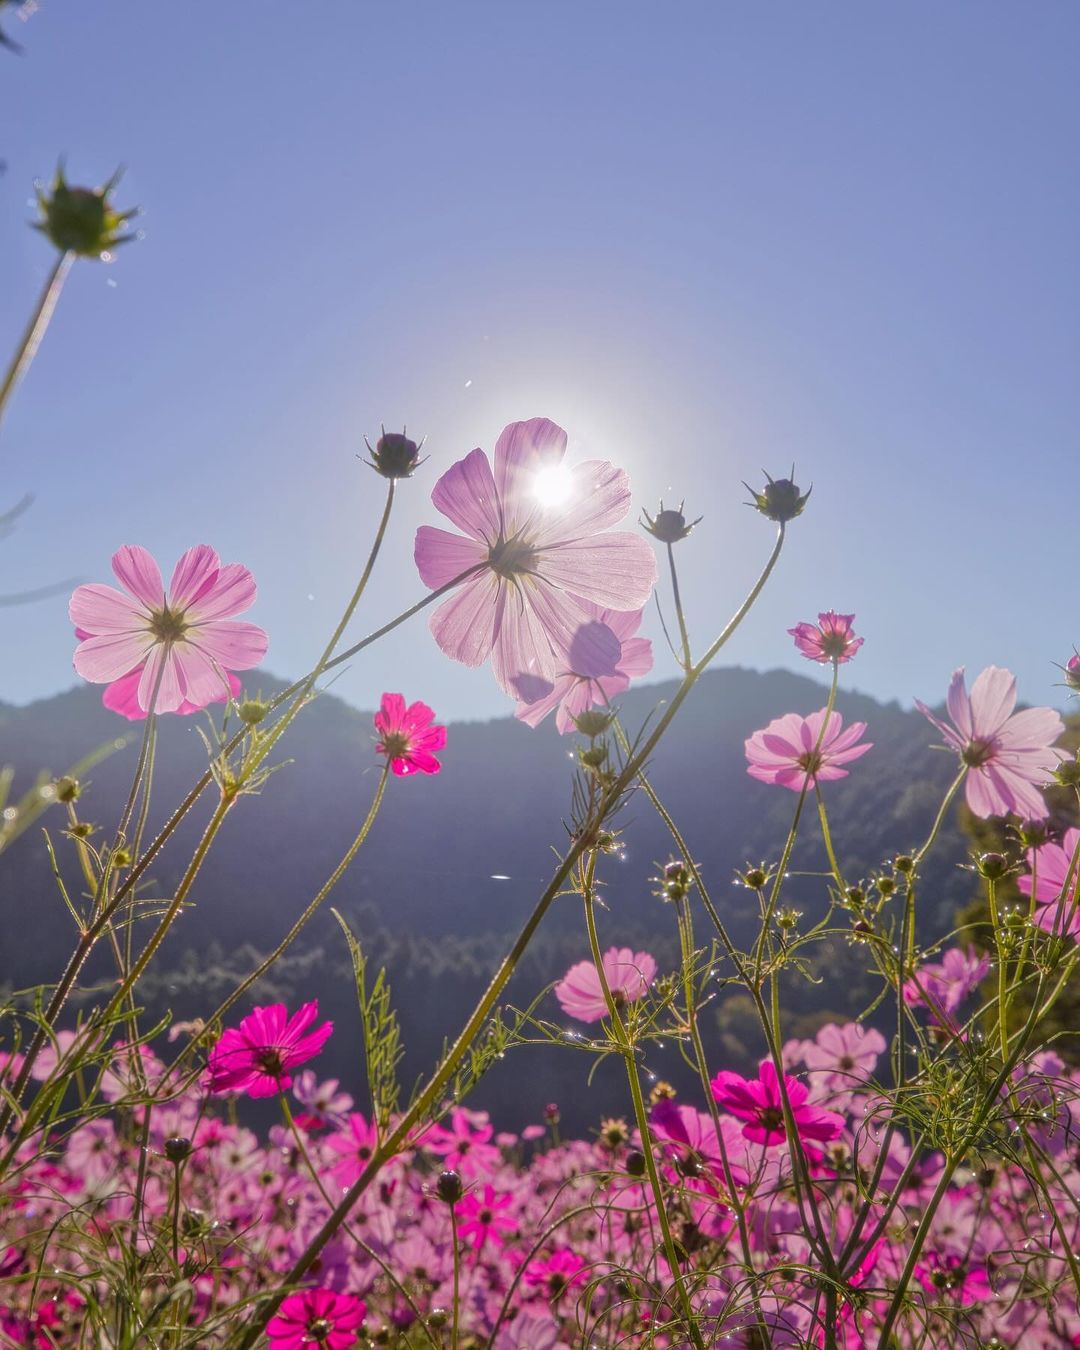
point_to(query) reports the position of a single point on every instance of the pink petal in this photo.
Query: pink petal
(959, 706)
(637, 657)
(993, 697)
(103, 609)
(170, 690)
(532, 714)
(232, 643)
(1024, 799)
(522, 449)
(951, 737)
(594, 650)
(466, 495)
(106, 657)
(616, 569)
(1034, 727)
(233, 591)
(202, 679)
(122, 696)
(465, 625)
(193, 576)
(523, 644)
(136, 570)
(440, 556)
(598, 497)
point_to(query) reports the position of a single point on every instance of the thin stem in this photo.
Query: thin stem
(456, 1318)
(683, 633)
(35, 329)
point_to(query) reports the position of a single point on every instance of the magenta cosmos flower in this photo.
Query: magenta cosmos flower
(787, 752)
(604, 656)
(629, 975)
(408, 738)
(1008, 755)
(256, 1056)
(1054, 871)
(184, 640)
(832, 638)
(758, 1102)
(316, 1317)
(534, 532)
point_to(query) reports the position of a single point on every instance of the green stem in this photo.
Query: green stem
(684, 635)
(35, 329)
(456, 1316)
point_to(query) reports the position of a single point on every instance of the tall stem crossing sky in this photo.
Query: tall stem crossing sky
(706, 238)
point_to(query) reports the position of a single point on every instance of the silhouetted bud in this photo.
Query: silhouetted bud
(177, 1148)
(394, 455)
(780, 499)
(449, 1187)
(904, 863)
(1034, 833)
(1068, 774)
(755, 878)
(669, 526)
(886, 885)
(855, 896)
(635, 1164)
(121, 857)
(438, 1318)
(82, 220)
(67, 789)
(1072, 673)
(593, 723)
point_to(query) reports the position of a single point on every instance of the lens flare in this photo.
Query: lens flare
(552, 485)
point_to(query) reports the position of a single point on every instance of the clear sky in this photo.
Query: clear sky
(704, 237)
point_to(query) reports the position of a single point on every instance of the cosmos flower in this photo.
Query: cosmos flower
(535, 533)
(787, 753)
(943, 985)
(758, 1102)
(122, 696)
(408, 738)
(629, 975)
(830, 639)
(316, 1317)
(184, 641)
(1008, 755)
(256, 1056)
(1053, 869)
(844, 1055)
(484, 1216)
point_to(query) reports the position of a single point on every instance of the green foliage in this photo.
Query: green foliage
(383, 1050)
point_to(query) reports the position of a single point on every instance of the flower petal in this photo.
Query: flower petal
(233, 591)
(618, 569)
(466, 495)
(103, 609)
(598, 497)
(993, 697)
(465, 625)
(441, 556)
(193, 575)
(522, 449)
(137, 572)
(107, 656)
(232, 643)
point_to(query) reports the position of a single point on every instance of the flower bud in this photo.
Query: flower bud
(992, 866)
(635, 1164)
(1034, 833)
(904, 863)
(788, 918)
(755, 878)
(551, 1113)
(394, 455)
(82, 220)
(668, 525)
(448, 1187)
(593, 723)
(855, 896)
(251, 711)
(438, 1318)
(121, 857)
(177, 1148)
(82, 829)
(594, 757)
(1068, 774)
(661, 1091)
(780, 499)
(1072, 673)
(67, 789)
(885, 885)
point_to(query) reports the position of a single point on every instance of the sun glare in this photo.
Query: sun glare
(551, 486)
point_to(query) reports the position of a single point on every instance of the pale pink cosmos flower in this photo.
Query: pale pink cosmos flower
(317, 1318)
(943, 985)
(408, 738)
(1053, 869)
(629, 975)
(1008, 755)
(184, 640)
(844, 1055)
(758, 1102)
(787, 753)
(832, 638)
(122, 696)
(603, 657)
(537, 561)
(256, 1056)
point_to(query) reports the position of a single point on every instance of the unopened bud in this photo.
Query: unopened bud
(1072, 673)
(438, 1318)
(661, 1091)
(885, 885)
(668, 525)
(1068, 774)
(82, 220)
(67, 789)
(780, 499)
(992, 866)
(177, 1148)
(551, 1113)
(394, 454)
(1034, 833)
(593, 723)
(755, 878)
(594, 757)
(635, 1164)
(855, 896)
(251, 711)
(448, 1187)
(904, 863)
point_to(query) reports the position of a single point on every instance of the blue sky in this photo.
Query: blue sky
(705, 238)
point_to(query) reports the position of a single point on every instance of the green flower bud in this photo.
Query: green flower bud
(755, 878)
(449, 1187)
(82, 220)
(1068, 774)
(394, 455)
(780, 499)
(67, 789)
(886, 886)
(855, 896)
(669, 526)
(251, 711)
(904, 863)
(593, 723)
(992, 866)
(594, 757)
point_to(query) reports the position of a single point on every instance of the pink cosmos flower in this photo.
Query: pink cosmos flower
(1053, 865)
(256, 1056)
(832, 638)
(784, 752)
(629, 975)
(355, 1147)
(1008, 755)
(946, 984)
(408, 738)
(758, 1102)
(538, 561)
(316, 1317)
(604, 656)
(483, 1216)
(844, 1055)
(555, 1273)
(122, 696)
(184, 641)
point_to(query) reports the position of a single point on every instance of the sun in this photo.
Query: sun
(552, 485)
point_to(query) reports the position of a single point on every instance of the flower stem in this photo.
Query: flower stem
(683, 633)
(35, 329)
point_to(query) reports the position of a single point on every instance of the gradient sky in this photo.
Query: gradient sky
(706, 238)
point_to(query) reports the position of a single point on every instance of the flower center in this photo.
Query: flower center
(976, 753)
(396, 744)
(510, 557)
(167, 625)
(269, 1060)
(810, 761)
(771, 1117)
(834, 645)
(319, 1329)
